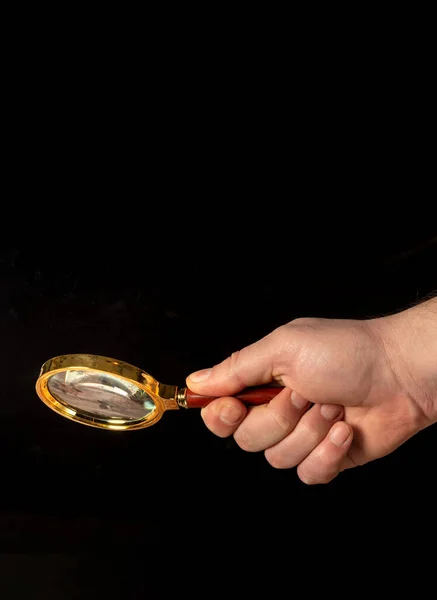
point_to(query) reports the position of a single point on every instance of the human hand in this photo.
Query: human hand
(354, 391)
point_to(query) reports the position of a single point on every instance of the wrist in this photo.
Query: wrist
(410, 342)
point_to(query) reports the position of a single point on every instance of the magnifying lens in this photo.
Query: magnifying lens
(110, 394)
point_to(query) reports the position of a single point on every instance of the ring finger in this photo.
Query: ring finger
(307, 435)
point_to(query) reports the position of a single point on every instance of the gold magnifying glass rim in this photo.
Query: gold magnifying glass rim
(164, 396)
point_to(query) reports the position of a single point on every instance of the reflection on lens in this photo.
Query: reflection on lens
(100, 394)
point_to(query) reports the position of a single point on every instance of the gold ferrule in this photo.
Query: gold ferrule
(181, 397)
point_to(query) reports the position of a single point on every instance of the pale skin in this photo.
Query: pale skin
(353, 391)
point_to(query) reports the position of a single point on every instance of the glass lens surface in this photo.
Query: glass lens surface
(100, 394)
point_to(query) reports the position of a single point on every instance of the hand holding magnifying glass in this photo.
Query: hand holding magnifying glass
(106, 393)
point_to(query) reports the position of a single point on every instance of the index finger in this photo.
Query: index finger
(224, 415)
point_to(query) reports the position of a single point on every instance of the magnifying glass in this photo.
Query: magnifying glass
(111, 394)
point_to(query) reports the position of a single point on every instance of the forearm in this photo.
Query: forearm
(411, 342)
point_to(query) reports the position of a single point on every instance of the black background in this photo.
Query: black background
(171, 255)
(175, 300)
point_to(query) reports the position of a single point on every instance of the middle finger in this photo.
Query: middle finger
(270, 423)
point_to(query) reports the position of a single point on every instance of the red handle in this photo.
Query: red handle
(252, 395)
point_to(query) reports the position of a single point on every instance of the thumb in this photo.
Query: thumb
(253, 365)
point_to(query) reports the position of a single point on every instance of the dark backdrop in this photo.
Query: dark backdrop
(174, 298)
(168, 212)
(171, 257)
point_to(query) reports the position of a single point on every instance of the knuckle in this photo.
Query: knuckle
(245, 441)
(305, 478)
(206, 416)
(311, 479)
(321, 471)
(291, 338)
(213, 423)
(276, 460)
(279, 339)
(283, 424)
(310, 434)
(305, 322)
(234, 365)
(279, 333)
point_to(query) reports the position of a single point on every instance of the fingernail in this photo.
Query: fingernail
(331, 411)
(230, 414)
(297, 400)
(339, 434)
(200, 375)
